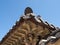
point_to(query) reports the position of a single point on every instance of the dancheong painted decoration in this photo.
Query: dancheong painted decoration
(32, 30)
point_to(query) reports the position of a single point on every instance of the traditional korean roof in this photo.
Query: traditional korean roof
(29, 15)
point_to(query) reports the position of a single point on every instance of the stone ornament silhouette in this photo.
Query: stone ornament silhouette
(28, 10)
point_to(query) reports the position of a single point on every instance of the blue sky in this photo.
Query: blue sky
(11, 10)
